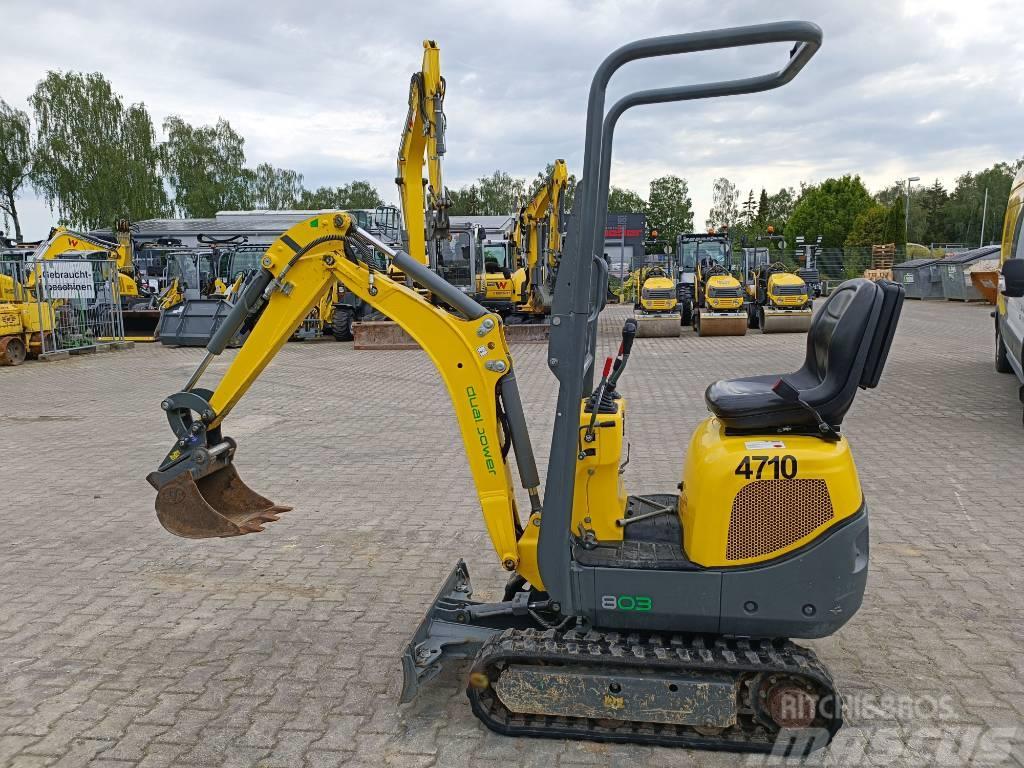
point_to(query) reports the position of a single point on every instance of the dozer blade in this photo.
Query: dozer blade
(722, 325)
(217, 505)
(785, 322)
(657, 326)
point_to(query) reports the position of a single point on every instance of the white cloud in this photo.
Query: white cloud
(917, 87)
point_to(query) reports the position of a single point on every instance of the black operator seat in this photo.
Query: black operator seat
(847, 346)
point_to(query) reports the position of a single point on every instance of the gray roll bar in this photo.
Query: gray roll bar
(573, 330)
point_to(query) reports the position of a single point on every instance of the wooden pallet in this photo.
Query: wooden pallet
(883, 256)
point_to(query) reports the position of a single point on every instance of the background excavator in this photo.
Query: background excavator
(425, 225)
(139, 312)
(712, 298)
(537, 247)
(652, 618)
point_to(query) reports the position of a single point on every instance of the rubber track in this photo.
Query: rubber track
(660, 653)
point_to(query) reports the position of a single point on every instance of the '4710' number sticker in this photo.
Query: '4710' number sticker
(767, 467)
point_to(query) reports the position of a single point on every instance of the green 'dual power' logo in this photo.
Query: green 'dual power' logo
(481, 433)
(638, 603)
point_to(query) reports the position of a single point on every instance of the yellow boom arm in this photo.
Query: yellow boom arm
(423, 144)
(470, 354)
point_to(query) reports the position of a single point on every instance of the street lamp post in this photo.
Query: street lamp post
(906, 223)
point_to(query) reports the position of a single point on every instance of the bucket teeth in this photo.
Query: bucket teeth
(217, 505)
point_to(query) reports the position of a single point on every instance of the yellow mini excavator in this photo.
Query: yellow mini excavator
(537, 247)
(653, 618)
(712, 297)
(657, 303)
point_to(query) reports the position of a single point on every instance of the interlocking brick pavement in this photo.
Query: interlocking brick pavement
(121, 645)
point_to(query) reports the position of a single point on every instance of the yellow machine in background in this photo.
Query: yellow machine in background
(778, 301)
(713, 299)
(424, 202)
(656, 308)
(23, 321)
(139, 312)
(537, 248)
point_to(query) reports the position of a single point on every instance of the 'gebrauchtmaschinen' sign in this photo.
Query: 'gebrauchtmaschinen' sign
(69, 281)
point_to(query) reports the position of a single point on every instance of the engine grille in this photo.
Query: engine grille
(769, 515)
(659, 293)
(790, 290)
(732, 292)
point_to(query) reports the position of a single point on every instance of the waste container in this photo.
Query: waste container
(920, 278)
(956, 281)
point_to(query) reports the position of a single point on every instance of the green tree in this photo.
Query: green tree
(357, 194)
(205, 167)
(966, 204)
(829, 209)
(869, 227)
(763, 207)
(896, 224)
(669, 208)
(275, 189)
(621, 200)
(499, 194)
(749, 210)
(933, 200)
(780, 208)
(465, 201)
(724, 211)
(15, 162)
(95, 160)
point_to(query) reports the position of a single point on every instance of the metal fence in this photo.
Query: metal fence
(77, 302)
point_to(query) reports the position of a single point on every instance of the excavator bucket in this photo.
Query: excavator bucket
(721, 324)
(140, 324)
(217, 505)
(652, 326)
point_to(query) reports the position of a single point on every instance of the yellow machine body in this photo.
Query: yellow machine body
(779, 281)
(717, 303)
(657, 286)
(750, 499)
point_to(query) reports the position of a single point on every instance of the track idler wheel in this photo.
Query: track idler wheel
(217, 505)
(12, 350)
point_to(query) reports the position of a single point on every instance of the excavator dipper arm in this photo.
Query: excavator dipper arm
(199, 492)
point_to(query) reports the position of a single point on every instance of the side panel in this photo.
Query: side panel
(742, 495)
(671, 601)
(811, 594)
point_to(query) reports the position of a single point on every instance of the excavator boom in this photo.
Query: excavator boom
(422, 144)
(200, 494)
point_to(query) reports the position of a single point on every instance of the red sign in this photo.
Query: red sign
(610, 234)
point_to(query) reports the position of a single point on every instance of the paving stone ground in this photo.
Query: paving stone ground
(121, 645)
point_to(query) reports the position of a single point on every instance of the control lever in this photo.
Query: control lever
(791, 394)
(628, 336)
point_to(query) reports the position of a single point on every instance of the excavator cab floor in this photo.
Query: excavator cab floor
(649, 543)
(216, 505)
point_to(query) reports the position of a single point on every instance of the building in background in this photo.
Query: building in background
(624, 235)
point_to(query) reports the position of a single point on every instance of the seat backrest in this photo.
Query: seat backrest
(889, 315)
(839, 343)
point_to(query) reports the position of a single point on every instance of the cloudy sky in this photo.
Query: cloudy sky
(901, 87)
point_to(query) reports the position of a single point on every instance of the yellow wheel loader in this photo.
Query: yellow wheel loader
(656, 308)
(23, 322)
(654, 618)
(778, 301)
(712, 298)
